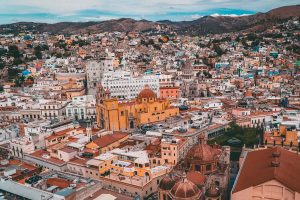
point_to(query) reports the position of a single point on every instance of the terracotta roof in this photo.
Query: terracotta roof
(257, 169)
(68, 150)
(203, 153)
(109, 139)
(153, 147)
(167, 183)
(78, 161)
(185, 189)
(61, 183)
(39, 154)
(196, 177)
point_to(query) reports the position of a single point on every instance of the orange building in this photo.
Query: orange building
(169, 92)
(107, 142)
(283, 136)
(147, 108)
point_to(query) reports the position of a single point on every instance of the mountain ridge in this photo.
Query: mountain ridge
(200, 26)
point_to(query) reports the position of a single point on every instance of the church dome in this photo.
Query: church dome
(147, 93)
(185, 189)
(166, 183)
(203, 152)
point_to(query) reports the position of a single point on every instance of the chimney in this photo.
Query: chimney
(276, 155)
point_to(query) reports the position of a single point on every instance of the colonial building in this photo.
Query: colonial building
(147, 108)
(82, 107)
(203, 175)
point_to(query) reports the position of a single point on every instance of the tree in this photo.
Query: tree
(218, 50)
(245, 44)
(13, 72)
(14, 51)
(19, 81)
(255, 43)
(38, 48)
(1, 65)
(38, 54)
(207, 74)
(82, 43)
(3, 52)
(17, 61)
(30, 78)
(45, 47)
(252, 36)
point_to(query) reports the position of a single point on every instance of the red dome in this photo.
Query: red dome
(166, 183)
(204, 153)
(147, 93)
(185, 189)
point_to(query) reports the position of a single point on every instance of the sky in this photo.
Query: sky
(52, 11)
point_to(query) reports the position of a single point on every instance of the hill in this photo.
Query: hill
(203, 25)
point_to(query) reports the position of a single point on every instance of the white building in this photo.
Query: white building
(166, 80)
(122, 85)
(21, 146)
(82, 107)
(213, 105)
(53, 109)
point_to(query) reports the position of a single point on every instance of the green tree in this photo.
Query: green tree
(38, 54)
(30, 78)
(218, 50)
(14, 51)
(1, 65)
(17, 61)
(3, 52)
(13, 72)
(19, 81)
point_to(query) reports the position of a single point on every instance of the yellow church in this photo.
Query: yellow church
(145, 109)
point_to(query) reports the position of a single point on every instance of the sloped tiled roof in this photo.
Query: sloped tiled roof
(258, 169)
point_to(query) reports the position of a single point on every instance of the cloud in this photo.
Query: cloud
(196, 16)
(227, 15)
(148, 9)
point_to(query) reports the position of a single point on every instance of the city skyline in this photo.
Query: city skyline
(96, 10)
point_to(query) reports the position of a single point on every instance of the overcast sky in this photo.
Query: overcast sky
(95, 10)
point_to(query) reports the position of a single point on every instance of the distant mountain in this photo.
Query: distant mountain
(204, 25)
(224, 24)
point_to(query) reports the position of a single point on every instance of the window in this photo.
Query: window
(208, 167)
